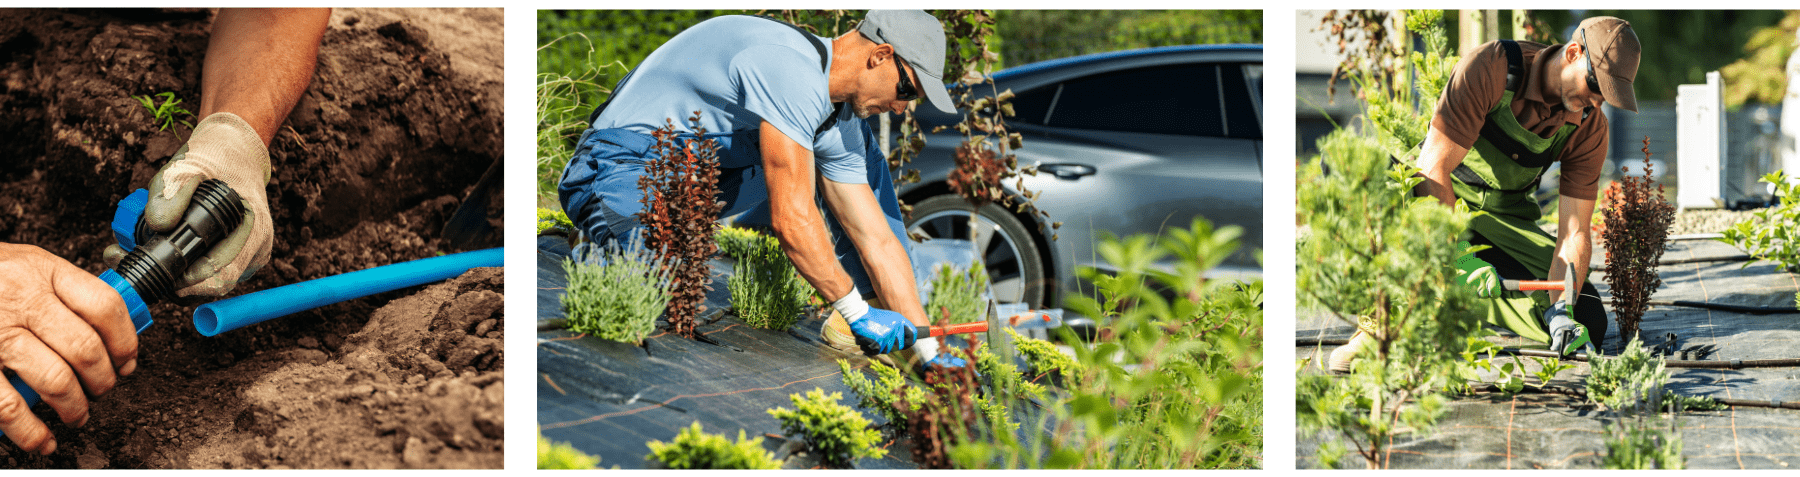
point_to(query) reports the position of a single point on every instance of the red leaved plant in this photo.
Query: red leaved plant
(1637, 227)
(681, 213)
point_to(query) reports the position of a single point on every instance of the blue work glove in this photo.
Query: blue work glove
(1566, 335)
(927, 349)
(877, 331)
(1478, 274)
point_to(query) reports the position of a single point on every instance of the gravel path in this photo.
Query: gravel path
(1708, 221)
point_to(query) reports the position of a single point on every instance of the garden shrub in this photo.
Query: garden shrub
(553, 219)
(838, 433)
(1044, 358)
(945, 415)
(1770, 235)
(1371, 251)
(737, 242)
(1637, 227)
(957, 296)
(883, 393)
(695, 449)
(561, 455)
(681, 211)
(765, 290)
(616, 292)
(1169, 383)
(1636, 375)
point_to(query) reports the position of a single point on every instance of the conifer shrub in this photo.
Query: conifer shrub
(837, 432)
(697, 449)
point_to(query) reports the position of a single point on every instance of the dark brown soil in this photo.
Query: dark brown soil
(371, 163)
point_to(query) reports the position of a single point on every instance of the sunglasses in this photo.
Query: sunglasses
(1593, 82)
(905, 90)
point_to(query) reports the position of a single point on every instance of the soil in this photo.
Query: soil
(401, 120)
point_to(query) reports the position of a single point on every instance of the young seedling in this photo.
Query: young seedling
(164, 114)
(616, 293)
(839, 434)
(681, 212)
(1637, 227)
(695, 449)
(765, 290)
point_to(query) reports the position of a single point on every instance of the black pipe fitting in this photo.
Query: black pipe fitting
(155, 267)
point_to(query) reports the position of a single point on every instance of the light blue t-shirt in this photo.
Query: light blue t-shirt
(739, 71)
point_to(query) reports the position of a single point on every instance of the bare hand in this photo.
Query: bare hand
(64, 332)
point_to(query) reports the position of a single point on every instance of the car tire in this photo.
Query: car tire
(1015, 267)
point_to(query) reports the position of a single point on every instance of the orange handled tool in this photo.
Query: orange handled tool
(1567, 282)
(1023, 320)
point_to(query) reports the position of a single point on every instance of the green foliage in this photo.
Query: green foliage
(694, 449)
(765, 290)
(1371, 251)
(1771, 235)
(838, 433)
(616, 294)
(553, 219)
(1170, 383)
(561, 455)
(957, 296)
(1637, 378)
(1761, 76)
(1636, 443)
(165, 114)
(1044, 358)
(737, 242)
(562, 108)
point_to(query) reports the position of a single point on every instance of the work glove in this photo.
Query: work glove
(1478, 274)
(877, 331)
(222, 147)
(1566, 335)
(927, 351)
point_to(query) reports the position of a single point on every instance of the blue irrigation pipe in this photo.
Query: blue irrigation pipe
(237, 312)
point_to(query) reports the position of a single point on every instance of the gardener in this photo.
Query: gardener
(786, 108)
(65, 332)
(1510, 110)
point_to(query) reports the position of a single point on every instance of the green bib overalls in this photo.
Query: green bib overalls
(1499, 176)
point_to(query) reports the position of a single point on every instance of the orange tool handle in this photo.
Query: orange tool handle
(976, 327)
(1530, 285)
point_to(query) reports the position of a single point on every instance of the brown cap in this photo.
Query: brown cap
(1614, 49)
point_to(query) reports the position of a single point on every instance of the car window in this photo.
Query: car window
(1242, 99)
(1030, 107)
(1173, 99)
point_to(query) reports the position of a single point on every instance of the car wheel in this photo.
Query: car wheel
(1014, 267)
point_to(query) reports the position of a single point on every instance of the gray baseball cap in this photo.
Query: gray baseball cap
(918, 38)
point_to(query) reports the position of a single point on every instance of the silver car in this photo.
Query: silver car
(1130, 142)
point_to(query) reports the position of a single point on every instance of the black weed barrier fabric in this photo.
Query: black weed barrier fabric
(1530, 431)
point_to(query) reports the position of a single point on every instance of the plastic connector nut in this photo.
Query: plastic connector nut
(134, 303)
(126, 218)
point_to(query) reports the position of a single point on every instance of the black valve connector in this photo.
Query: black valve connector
(154, 267)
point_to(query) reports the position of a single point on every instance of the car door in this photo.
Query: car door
(1144, 149)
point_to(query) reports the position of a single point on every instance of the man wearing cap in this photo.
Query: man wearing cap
(786, 109)
(1510, 109)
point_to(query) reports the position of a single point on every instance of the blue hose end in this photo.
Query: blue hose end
(134, 303)
(126, 217)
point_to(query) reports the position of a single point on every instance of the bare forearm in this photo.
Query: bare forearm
(890, 269)
(1437, 158)
(259, 62)
(806, 243)
(1574, 241)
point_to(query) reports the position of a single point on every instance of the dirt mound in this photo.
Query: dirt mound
(368, 167)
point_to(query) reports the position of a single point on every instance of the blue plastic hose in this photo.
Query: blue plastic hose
(237, 312)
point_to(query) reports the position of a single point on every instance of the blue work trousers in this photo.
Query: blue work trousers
(599, 189)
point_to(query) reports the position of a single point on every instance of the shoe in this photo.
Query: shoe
(1344, 356)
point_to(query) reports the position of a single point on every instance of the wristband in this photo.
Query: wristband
(852, 307)
(926, 349)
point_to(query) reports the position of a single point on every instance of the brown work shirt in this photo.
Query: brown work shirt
(1478, 82)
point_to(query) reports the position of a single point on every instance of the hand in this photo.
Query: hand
(1566, 334)
(222, 147)
(1478, 274)
(882, 332)
(65, 333)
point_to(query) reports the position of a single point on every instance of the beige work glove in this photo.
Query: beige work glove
(226, 148)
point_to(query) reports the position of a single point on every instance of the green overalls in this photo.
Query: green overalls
(1500, 176)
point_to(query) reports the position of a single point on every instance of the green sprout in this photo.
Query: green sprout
(165, 114)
